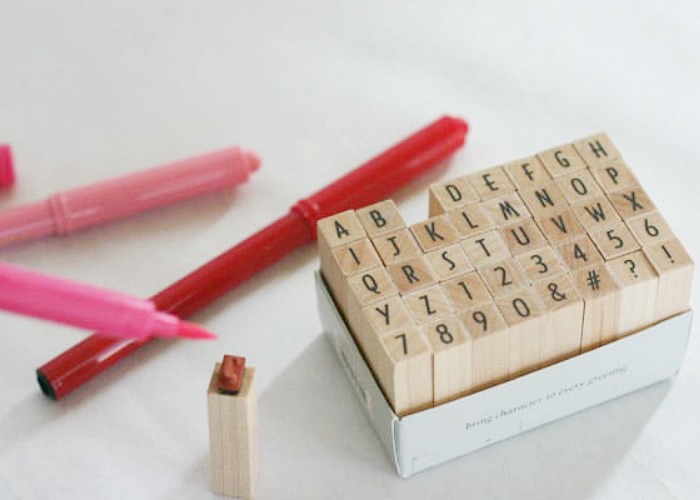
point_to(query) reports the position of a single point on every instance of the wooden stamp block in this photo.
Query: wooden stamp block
(506, 209)
(540, 264)
(449, 195)
(560, 227)
(614, 241)
(675, 270)
(562, 325)
(579, 253)
(233, 437)
(490, 337)
(452, 359)
(595, 213)
(503, 278)
(428, 304)
(450, 261)
(544, 199)
(370, 286)
(412, 274)
(403, 364)
(396, 246)
(631, 201)
(434, 233)
(523, 313)
(562, 160)
(650, 228)
(601, 295)
(528, 172)
(579, 186)
(523, 237)
(471, 220)
(339, 229)
(491, 183)
(485, 248)
(385, 316)
(380, 218)
(597, 149)
(466, 292)
(639, 285)
(614, 175)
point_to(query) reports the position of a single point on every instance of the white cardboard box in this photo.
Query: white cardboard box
(431, 437)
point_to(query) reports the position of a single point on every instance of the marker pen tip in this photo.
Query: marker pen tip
(192, 331)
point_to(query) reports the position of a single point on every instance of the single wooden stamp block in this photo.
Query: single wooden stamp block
(370, 286)
(560, 227)
(449, 261)
(434, 233)
(639, 286)
(523, 313)
(356, 257)
(412, 274)
(674, 267)
(386, 316)
(490, 341)
(601, 294)
(528, 172)
(523, 237)
(380, 218)
(466, 292)
(486, 248)
(403, 364)
(613, 175)
(650, 228)
(506, 209)
(396, 246)
(503, 278)
(631, 201)
(452, 358)
(596, 213)
(562, 160)
(561, 327)
(428, 304)
(471, 220)
(339, 229)
(542, 263)
(233, 437)
(491, 183)
(597, 149)
(579, 253)
(614, 241)
(450, 195)
(544, 199)
(579, 186)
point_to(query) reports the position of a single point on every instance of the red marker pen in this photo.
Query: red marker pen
(367, 184)
(7, 169)
(69, 211)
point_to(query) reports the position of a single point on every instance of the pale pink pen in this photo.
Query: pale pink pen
(69, 211)
(114, 314)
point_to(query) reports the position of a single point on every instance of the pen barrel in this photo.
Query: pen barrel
(54, 299)
(156, 187)
(379, 177)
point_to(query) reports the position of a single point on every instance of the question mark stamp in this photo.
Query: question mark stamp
(632, 267)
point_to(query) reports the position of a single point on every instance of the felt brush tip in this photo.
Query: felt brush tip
(192, 331)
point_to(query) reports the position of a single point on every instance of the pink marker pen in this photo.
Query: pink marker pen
(85, 306)
(69, 211)
(7, 170)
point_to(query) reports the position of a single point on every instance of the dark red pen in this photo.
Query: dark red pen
(371, 182)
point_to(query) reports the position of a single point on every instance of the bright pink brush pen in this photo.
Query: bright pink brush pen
(113, 314)
(75, 209)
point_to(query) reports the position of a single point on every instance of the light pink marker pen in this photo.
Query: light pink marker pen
(85, 306)
(69, 211)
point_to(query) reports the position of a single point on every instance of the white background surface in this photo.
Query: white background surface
(90, 90)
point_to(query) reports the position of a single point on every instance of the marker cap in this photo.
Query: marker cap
(7, 170)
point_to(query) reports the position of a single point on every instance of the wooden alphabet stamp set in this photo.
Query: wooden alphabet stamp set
(517, 267)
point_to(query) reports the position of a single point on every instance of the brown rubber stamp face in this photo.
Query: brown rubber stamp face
(231, 374)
